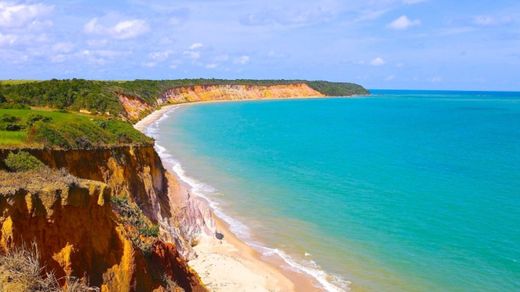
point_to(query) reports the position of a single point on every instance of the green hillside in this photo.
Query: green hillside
(45, 128)
(101, 96)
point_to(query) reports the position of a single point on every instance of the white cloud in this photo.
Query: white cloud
(196, 46)
(390, 78)
(486, 20)
(64, 52)
(455, 30)
(100, 57)
(410, 2)
(24, 40)
(378, 61)
(20, 15)
(60, 58)
(211, 66)
(129, 28)
(222, 58)
(92, 26)
(97, 43)
(192, 55)
(160, 56)
(125, 29)
(7, 39)
(157, 57)
(403, 22)
(64, 47)
(287, 14)
(370, 14)
(242, 60)
(175, 21)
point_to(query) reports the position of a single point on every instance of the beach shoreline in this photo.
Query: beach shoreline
(230, 263)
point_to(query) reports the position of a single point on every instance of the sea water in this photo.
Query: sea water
(398, 191)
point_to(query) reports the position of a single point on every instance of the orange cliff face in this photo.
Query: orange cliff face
(76, 234)
(236, 92)
(135, 108)
(135, 172)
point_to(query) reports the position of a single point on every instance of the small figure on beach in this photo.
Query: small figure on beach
(219, 236)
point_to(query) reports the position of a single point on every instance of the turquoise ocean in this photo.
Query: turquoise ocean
(397, 191)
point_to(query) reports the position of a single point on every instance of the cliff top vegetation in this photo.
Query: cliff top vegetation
(60, 129)
(101, 96)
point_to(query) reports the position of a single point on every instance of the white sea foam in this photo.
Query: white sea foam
(328, 282)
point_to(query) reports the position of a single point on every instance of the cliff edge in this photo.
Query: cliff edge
(106, 223)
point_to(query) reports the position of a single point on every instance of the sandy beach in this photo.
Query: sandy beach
(230, 264)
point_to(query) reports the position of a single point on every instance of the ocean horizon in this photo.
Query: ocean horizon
(401, 190)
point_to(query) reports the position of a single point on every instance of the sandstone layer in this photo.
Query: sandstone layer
(136, 108)
(76, 230)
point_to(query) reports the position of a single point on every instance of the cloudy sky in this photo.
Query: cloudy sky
(424, 44)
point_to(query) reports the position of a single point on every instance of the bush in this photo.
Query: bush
(10, 105)
(149, 230)
(101, 123)
(48, 135)
(141, 230)
(83, 143)
(33, 118)
(10, 123)
(22, 161)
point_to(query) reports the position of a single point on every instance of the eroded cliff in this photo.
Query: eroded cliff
(73, 223)
(136, 108)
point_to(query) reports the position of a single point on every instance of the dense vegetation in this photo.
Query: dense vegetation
(338, 88)
(74, 94)
(64, 129)
(22, 161)
(101, 96)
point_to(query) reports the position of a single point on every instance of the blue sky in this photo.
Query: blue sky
(415, 44)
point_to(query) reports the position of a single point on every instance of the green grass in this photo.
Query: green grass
(16, 82)
(65, 130)
(13, 138)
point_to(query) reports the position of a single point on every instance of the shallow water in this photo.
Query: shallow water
(403, 190)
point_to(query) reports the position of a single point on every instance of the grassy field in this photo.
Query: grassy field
(16, 82)
(31, 127)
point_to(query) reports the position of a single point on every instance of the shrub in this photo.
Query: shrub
(141, 230)
(83, 143)
(10, 123)
(22, 161)
(101, 123)
(33, 118)
(20, 270)
(10, 105)
(9, 119)
(149, 230)
(48, 135)
(78, 285)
